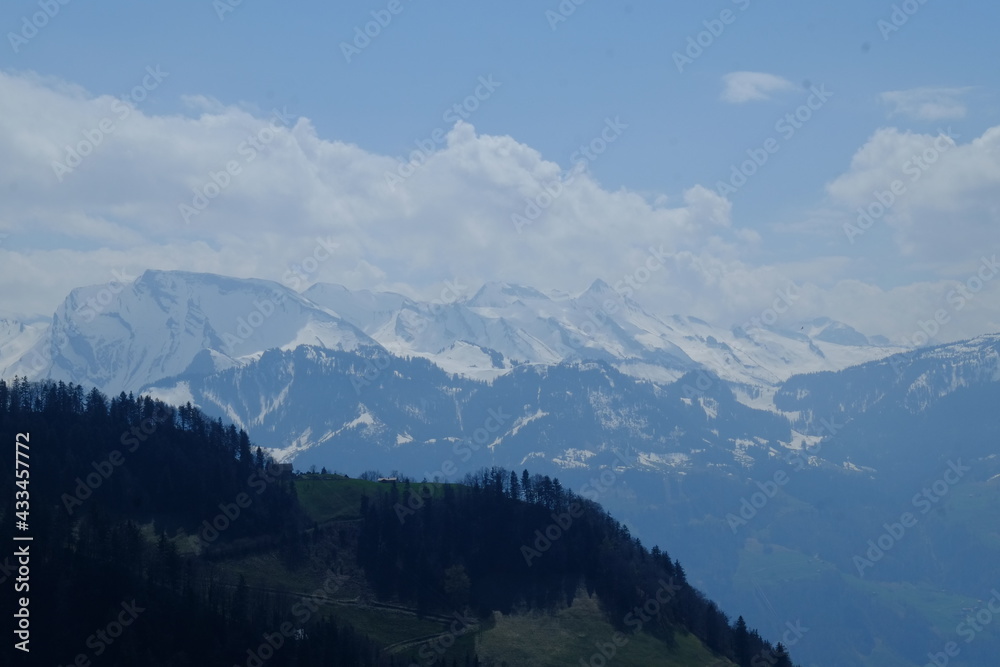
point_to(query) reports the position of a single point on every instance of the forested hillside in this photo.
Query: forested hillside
(160, 537)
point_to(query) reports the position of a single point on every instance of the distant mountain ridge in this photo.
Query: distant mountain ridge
(812, 434)
(169, 323)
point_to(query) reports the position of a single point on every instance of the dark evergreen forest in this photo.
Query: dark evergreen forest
(102, 471)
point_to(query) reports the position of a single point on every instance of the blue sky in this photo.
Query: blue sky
(559, 81)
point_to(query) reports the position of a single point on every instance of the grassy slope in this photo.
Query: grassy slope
(333, 502)
(573, 634)
(332, 497)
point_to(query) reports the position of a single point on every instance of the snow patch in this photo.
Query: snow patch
(671, 460)
(179, 394)
(740, 455)
(801, 441)
(574, 458)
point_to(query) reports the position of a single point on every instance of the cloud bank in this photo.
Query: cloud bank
(93, 185)
(743, 87)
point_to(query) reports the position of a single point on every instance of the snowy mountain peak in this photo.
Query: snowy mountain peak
(831, 331)
(364, 309)
(602, 294)
(169, 323)
(176, 323)
(499, 295)
(9, 328)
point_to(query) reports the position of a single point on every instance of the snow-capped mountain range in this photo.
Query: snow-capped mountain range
(241, 348)
(172, 323)
(167, 324)
(360, 376)
(676, 425)
(523, 325)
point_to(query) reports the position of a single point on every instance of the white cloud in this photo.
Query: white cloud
(742, 87)
(926, 103)
(944, 207)
(120, 207)
(451, 219)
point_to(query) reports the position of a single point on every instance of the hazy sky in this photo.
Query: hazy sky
(536, 142)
